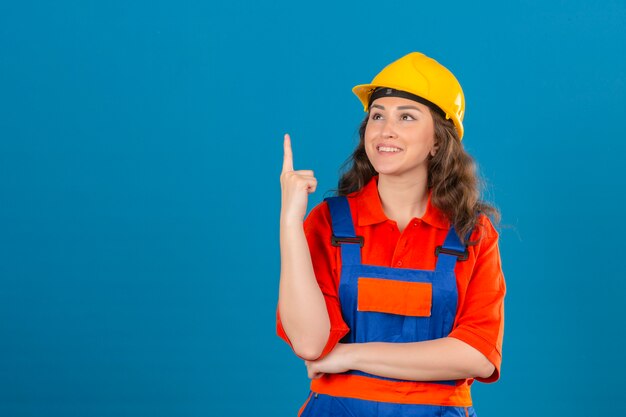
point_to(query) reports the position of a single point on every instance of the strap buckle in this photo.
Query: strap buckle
(336, 241)
(462, 256)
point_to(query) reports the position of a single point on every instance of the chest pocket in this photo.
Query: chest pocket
(404, 298)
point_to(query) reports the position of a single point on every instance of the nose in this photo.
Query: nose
(388, 129)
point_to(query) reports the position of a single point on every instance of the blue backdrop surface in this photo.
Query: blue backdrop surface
(140, 154)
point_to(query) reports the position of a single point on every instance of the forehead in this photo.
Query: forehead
(391, 103)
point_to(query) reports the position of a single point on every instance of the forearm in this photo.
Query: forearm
(432, 360)
(301, 303)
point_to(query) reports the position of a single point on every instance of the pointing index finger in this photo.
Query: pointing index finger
(288, 156)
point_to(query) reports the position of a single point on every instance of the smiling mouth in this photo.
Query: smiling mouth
(388, 149)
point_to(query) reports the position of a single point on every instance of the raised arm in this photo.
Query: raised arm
(301, 306)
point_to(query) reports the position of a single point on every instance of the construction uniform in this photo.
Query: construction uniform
(383, 285)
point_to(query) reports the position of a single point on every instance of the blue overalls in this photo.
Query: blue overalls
(357, 282)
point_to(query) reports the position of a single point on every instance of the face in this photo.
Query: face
(399, 136)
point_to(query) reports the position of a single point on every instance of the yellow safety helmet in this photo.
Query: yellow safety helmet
(422, 76)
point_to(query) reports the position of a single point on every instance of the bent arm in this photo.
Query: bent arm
(432, 360)
(301, 304)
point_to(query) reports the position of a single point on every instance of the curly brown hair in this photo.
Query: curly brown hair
(452, 177)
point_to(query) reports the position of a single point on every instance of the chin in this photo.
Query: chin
(386, 170)
(384, 166)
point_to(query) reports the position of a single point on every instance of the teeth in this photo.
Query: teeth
(388, 149)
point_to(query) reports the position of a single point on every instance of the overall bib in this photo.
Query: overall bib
(386, 304)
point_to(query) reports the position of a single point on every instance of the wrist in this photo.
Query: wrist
(291, 221)
(352, 351)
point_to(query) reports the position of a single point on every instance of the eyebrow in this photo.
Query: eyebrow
(399, 107)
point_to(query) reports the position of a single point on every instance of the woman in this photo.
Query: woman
(392, 291)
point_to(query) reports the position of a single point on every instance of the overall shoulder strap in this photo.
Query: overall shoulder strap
(451, 251)
(344, 235)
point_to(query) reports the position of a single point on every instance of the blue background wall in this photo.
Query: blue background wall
(140, 153)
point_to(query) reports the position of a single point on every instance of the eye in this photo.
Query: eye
(405, 115)
(376, 116)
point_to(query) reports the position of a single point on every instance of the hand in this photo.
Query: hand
(335, 362)
(296, 186)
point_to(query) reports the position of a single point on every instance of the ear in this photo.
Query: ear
(433, 150)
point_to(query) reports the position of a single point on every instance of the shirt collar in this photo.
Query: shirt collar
(370, 209)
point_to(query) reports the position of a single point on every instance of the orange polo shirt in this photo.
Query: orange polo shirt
(479, 319)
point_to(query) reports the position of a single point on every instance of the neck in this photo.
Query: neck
(403, 198)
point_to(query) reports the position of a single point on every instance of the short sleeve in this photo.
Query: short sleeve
(318, 231)
(480, 323)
